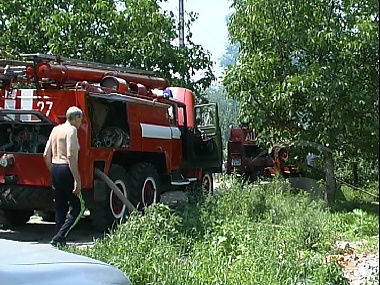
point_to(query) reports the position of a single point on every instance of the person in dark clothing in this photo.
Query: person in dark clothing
(61, 157)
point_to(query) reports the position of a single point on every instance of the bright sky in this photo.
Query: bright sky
(210, 29)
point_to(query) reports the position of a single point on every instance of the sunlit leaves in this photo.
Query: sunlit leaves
(308, 69)
(134, 33)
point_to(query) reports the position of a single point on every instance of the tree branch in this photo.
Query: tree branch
(320, 57)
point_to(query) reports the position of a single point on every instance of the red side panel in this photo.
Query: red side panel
(51, 103)
(151, 132)
(29, 168)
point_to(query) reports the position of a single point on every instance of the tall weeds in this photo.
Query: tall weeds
(245, 235)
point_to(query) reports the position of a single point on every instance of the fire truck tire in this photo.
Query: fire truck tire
(207, 183)
(17, 217)
(111, 211)
(145, 185)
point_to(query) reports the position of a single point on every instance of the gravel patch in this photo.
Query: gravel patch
(358, 268)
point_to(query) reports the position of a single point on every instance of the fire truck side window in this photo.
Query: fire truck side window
(205, 117)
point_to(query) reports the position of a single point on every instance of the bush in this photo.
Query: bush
(247, 234)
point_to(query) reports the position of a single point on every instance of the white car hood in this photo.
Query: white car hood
(40, 264)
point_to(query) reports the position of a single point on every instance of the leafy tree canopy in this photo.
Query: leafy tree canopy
(133, 33)
(308, 70)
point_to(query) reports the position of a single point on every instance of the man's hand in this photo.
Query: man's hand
(77, 187)
(48, 163)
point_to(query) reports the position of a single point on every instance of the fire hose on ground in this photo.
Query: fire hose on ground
(115, 189)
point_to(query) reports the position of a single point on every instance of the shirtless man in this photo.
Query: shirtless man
(61, 157)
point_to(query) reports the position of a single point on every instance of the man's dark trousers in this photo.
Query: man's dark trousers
(63, 186)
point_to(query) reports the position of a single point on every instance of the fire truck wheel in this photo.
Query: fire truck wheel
(111, 211)
(207, 183)
(145, 183)
(17, 217)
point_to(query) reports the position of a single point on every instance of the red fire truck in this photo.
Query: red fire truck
(246, 158)
(146, 136)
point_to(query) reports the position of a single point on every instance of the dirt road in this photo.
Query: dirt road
(38, 231)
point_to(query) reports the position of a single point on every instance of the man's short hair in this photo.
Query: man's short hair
(73, 112)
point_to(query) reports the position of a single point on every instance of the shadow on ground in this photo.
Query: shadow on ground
(342, 206)
(38, 231)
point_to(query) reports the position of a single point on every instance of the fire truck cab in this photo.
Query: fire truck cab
(146, 136)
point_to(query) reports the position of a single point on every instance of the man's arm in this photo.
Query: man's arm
(48, 152)
(72, 154)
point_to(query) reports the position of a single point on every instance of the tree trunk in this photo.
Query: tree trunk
(330, 180)
(355, 173)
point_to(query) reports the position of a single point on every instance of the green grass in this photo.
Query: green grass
(246, 235)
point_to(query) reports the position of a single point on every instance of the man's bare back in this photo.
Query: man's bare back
(64, 143)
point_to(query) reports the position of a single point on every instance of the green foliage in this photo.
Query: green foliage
(352, 199)
(367, 171)
(133, 33)
(308, 70)
(245, 235)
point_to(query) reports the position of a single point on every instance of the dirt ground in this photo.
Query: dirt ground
(41, 232)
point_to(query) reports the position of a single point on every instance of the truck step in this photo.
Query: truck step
(180, 182)
(177, 179)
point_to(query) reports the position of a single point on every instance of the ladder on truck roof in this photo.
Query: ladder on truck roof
(4, 62)
(83, 63)
(67, 70)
